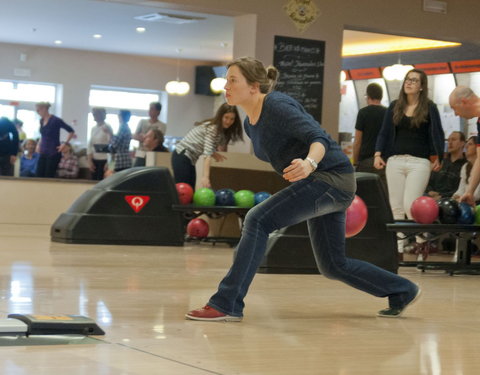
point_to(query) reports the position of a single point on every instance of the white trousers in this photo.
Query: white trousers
(407, 179)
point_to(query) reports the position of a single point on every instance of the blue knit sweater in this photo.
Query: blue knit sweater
(285, 132)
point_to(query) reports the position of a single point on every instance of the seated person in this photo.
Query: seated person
(444, 183)
(471, 154)
(153, 141)
(28, 161)
(68, 166)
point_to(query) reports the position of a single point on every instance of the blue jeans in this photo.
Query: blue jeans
(323, 206)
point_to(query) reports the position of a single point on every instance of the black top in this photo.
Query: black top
(8, 137)
(410, 140)
(446, 180)
(369, 122)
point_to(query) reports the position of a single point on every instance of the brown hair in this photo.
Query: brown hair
(420, 114)
(233, 133)
(254, 72)
(469, 164)
(157, 134)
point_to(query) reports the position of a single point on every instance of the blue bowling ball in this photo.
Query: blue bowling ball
(224, 197)
(261, 196)
(467, 214)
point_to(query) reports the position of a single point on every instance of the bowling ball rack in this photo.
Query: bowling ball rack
(464, 234)
(191, 211)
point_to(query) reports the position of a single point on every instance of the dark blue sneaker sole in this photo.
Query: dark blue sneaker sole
(397, 313)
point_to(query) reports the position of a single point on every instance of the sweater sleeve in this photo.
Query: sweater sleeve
(65, 126)
(300, 125)
(438, 136)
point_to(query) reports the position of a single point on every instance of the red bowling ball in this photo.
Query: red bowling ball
(424, 210)
(197, 228)
(357, 215)
(185, 193)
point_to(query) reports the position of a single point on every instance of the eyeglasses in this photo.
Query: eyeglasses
(412, 80)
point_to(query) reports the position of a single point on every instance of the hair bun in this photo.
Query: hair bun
(272, 73)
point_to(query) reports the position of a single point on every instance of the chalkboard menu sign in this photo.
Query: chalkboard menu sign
(300, 63)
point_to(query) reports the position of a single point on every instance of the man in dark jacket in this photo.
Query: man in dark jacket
(8, 146)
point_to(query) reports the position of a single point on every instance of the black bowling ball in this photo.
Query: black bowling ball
(449, 211)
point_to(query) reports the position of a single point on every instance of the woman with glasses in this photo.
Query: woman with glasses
(410, 144)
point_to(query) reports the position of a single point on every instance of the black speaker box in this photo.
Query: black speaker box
(132, 207)
(289, 249)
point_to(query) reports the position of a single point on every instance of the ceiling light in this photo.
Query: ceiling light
(177, 87)
(396, 72)
(218, 85)
(140, 30)
(176, 19)
(97, 36)
(58, 42)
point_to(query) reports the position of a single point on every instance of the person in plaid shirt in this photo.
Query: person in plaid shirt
(120, 144)
(68, 166)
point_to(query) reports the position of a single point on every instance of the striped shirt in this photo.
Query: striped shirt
(201, 140)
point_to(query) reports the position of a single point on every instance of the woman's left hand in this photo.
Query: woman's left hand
(218, 157)
(61, 147)
(436, 166)
(297, 170)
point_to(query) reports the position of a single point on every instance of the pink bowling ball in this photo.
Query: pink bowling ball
(357, 216)
(424, 210)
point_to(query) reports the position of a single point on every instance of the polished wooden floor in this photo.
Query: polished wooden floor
(294, 324)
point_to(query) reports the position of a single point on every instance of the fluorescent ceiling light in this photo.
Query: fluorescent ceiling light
(364, 43)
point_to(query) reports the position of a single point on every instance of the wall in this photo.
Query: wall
(391, 17)
(35, 201)
(77, 70)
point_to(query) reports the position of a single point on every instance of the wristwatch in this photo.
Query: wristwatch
(312, 162)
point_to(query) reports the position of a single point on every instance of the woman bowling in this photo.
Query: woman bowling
(322, 187)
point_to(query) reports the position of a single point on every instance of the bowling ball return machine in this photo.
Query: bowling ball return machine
(132, 207)
(191, 211)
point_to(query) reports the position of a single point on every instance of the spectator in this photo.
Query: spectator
(68, 166)
(203, 139)
(120, 144)
(29, 160)
(153, 141)
(143, 126)
(466, 104)
(445, 182)
(50, 147)
(369, 122)
(471, 154)
(410, 144)
(8, 146)
(21, 134)
(100, 137)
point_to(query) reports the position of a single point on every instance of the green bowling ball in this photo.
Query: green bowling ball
(244, 198)
(204, 197)
(477, 215)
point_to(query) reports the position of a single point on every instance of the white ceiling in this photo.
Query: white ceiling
(41, 22)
